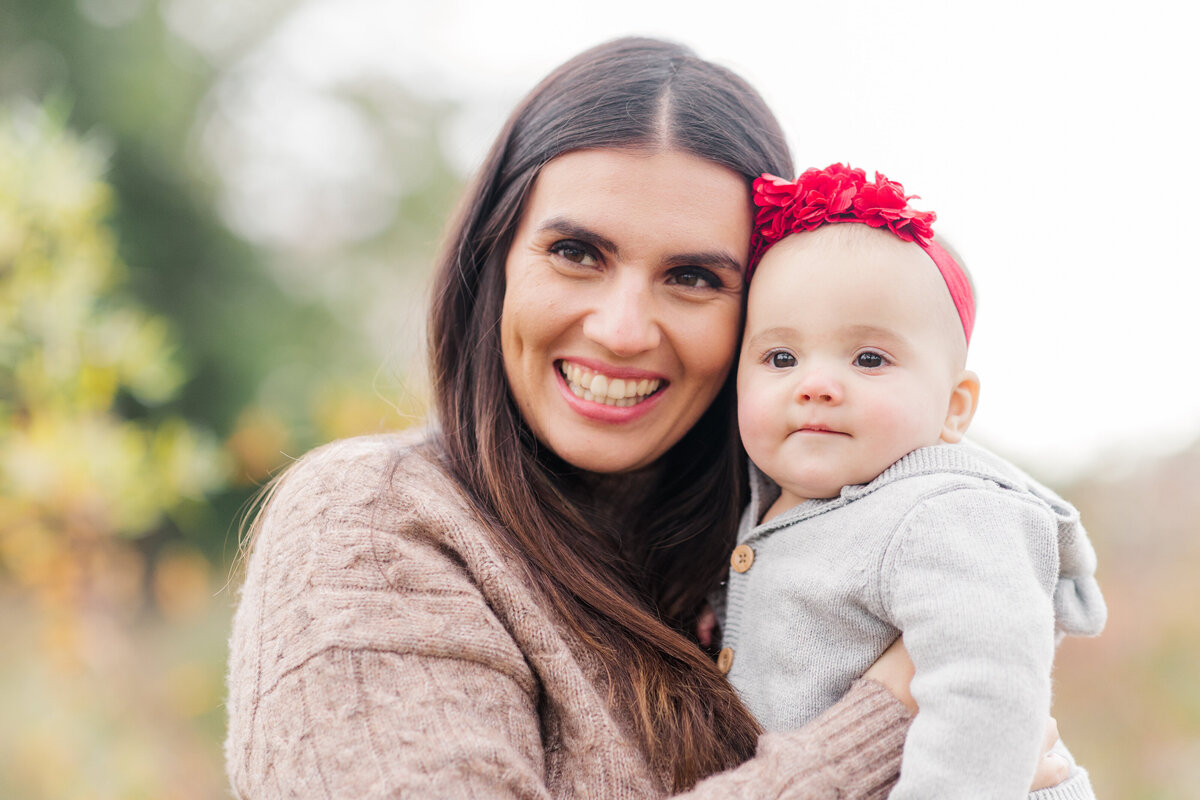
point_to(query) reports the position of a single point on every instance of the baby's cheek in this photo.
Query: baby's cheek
(902, 424)
(753, 424)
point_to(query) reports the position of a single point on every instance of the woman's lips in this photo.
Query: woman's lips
(622, 390)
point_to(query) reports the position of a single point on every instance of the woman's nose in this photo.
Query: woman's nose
(624, 319)
(819, 385)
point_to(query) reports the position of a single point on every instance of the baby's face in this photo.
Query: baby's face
(851, 356)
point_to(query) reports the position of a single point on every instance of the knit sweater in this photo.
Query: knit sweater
(974, 562)
(384, 646)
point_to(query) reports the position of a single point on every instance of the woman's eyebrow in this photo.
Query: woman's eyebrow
(573, 229)
(715, 259)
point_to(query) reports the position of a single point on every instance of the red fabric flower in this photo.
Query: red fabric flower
(883, 203)
(825, 194)
(773, 195)
(772, 190)
(838, 193)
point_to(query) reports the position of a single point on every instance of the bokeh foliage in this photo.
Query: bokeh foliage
(83, 484)
(141, 405)
(77, 476)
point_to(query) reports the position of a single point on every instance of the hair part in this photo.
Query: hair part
(630, 591)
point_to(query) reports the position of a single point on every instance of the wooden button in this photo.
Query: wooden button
(725, 659)
(742, 558)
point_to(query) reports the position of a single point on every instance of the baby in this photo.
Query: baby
(868, 516)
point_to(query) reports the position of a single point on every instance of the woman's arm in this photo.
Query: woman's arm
(363, 661)
(852, 750)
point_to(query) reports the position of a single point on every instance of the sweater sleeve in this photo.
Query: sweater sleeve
(850, 752)
(968, 578)
(368, 659)
(363, 663)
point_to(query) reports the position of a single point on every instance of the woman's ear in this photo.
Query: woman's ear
(963, 401)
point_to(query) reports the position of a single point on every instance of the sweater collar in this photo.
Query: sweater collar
(965, 458)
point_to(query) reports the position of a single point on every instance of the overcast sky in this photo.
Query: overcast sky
(1055, 140)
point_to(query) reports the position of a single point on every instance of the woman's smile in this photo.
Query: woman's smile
(622, 302)
(603, 386)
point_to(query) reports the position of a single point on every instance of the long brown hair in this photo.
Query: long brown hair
(630, 593)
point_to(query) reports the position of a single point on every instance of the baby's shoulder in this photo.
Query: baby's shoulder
(956, 505)
(961, 474)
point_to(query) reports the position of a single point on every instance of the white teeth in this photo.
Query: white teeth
(598, 388)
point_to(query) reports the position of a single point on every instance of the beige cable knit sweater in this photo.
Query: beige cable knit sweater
(383, 647)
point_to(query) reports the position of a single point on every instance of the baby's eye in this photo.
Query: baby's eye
(869, 360)
(781, 359)
(575, 252)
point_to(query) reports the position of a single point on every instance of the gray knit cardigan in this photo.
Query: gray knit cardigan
(977, 564)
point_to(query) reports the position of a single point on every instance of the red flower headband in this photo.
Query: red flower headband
(840, 193)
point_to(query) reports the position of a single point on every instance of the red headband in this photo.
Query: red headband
(839, 193)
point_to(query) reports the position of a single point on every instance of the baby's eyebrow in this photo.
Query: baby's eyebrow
(863, 330)
(857, 332)
(891, 338)
(779, 332)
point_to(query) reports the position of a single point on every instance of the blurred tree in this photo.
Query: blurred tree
(133, 84)
(273, 360)
(156, 365)
(78, 480)
(81, 483)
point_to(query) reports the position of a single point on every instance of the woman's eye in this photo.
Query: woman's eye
(695, 278)
(575, 252)
(869, 360)
(781, 359)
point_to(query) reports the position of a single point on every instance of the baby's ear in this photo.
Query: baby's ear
(963, 401)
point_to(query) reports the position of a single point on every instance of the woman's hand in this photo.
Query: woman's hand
(706, 625)
(1052, 768)
(895, 670)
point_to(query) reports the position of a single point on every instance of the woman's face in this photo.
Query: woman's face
(622, 305)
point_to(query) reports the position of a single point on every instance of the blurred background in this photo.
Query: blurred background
(216, 226)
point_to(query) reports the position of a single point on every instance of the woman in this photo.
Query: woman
(505, 606)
